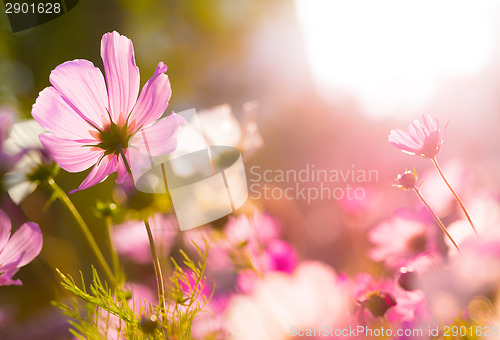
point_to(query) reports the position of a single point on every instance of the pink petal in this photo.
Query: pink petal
(99, 173)
(6, 120)
(82, 86)
(5, 228)
(6, 281)
(24, 245)
(403, 141)
(417, 132)
(122, 75)
(55, 115)
(71, 155)
(158, 139)
(153, 100)
(430, 124)
(8, 271)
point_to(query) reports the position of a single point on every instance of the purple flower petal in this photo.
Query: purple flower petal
(24, 245)
(7, 281)
(158, 139)
(153, 100)
(5, 228)
(99, 173)
(122, 75)
(6, 120)
(71, 155)
(55, 115)
(82, 86)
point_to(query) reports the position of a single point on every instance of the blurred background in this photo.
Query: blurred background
(331, 79)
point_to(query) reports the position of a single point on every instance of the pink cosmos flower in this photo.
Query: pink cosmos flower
(382, 297)
(400, 241)
(423, 138)
(91, 121)
(17, 250)
(311, 297)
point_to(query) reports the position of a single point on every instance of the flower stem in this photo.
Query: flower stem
(156, 260)
(84, 228)
(459, 201)
(125, 162)
(441, 225)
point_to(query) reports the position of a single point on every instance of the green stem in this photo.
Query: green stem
(84, 229)
(438, 168)
(125, 162)
(157, 266)
(156, 260)
(441, 225)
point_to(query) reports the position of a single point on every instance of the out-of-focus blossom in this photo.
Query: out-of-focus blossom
(424, 138)
(257, 230)
(382, 297)
(220, 127)
(7, 159)
(475, 273)
(435, 191)
(450, 290)
(255, 237)
(311, 297)
(131, 240)
(278, 256)
(377, 302)
(402, 239)
(17, 250)
(486, 212)
(90, 124)
(35, 163)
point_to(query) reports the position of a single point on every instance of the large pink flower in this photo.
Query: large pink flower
(17, 250)
(423, 139)
(90, 122)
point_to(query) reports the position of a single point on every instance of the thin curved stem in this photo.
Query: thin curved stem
(156, 260)
(459, 201)
(84, 228)
(157, 266)
(441, 225)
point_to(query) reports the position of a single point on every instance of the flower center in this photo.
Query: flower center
(417, 243)
(114, 137)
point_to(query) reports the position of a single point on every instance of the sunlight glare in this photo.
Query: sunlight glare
(392, 54)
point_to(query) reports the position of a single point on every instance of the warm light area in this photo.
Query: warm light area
(392, 55)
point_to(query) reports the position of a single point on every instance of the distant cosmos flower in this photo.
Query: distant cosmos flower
(424, 138)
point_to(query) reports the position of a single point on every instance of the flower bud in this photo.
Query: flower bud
(407, 180)
(408, 279)
(149, 325)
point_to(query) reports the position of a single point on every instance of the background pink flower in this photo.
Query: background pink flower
(17, 250)
(90, 120)
(131, 240)
(404, 237)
